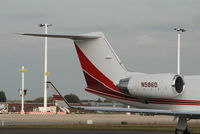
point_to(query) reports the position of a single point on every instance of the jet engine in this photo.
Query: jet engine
(153, 85)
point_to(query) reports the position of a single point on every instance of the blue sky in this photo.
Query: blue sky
(141, 33)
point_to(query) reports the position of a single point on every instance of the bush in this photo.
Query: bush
(3, 96)
(72, 98)
(124, 123)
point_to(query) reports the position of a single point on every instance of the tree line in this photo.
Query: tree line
(71, 98)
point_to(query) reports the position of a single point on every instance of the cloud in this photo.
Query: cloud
(26, 16)
(145, 39)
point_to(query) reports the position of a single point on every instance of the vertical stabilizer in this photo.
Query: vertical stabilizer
(99, 61)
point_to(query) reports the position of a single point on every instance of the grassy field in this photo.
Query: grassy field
(126, 127)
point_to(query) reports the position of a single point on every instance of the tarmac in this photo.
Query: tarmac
(26, 119)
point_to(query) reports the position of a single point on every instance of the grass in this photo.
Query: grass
(195, 128)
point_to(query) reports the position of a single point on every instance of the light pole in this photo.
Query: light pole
(45, 65)
(179, 31)
(22, 90)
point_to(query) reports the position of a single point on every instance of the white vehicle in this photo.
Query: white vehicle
(154, 94)
(2, 107)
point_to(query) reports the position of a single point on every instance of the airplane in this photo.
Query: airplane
(153, 94)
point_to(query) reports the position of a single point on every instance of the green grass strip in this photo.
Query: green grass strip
(195, 128)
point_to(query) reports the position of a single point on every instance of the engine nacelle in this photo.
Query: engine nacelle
(153, 85)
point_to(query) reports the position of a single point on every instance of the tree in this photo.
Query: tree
(39, 100)
(72, 98)
(3, 96)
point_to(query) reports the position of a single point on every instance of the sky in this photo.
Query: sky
(140, 31)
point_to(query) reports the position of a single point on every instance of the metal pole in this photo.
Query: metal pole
(45, 65)
(23, 70)
(45, 71)
(179, 54)
(179, 30)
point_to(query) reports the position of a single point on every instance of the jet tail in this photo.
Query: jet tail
(101, 66)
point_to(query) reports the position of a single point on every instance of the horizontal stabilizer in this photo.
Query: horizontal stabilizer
(72, 37)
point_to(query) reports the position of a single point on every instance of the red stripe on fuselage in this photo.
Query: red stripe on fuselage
(134, 100)
(94, 84)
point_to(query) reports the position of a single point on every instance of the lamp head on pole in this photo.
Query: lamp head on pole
(179, 30)
(42, 25)
(23, 69)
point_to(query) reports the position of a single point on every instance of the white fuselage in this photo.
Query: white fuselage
(188, 100)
